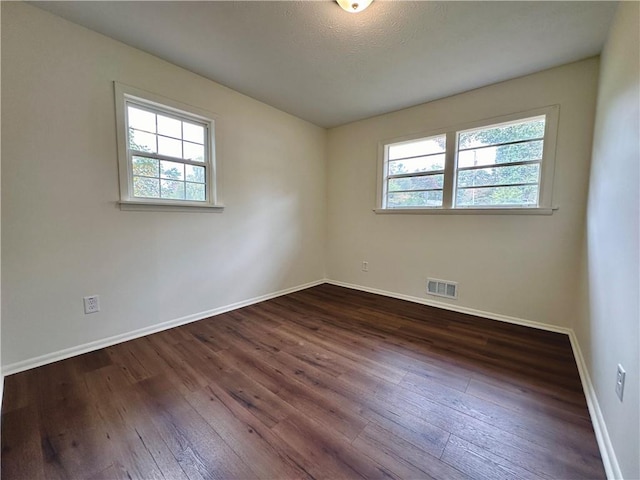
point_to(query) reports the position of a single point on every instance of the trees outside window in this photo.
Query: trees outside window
(491, 165)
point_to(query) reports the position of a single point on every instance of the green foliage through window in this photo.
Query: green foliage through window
(496, 165)
(152, 139)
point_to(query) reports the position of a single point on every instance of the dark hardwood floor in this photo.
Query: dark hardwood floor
(323, 383)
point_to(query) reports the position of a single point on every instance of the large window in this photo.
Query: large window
(504, 163)
(166, 152)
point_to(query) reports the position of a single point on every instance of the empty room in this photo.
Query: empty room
(320, 240)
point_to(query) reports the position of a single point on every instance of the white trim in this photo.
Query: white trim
(136, 206)
(468, 211)
(608, 454)
(450, 164)
(455, 308)
(141, 332)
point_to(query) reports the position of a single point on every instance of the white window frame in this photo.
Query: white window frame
(547, 167)
(124, 95)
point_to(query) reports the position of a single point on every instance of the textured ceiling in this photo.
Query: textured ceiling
(315, 61)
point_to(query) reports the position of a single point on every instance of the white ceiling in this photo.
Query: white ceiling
(315, 61)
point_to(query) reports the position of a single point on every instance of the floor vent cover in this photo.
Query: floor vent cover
(442, 288)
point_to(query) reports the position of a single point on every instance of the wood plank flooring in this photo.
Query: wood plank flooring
(323, 383)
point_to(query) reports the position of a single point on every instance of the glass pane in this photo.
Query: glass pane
(526, 195)
(141, 119)
(415, 165)
(146, 187)
(520, 152)
(172, 170)
(193, 151)
(195, 191)
(172, 189)
(146, 167)
(142, 141)
(169, 147)
(499, 175)
(193, 133)
(414, 199)
(522, 130)
(414, 148)
(169, 127)
(194, 174)
(416, 183)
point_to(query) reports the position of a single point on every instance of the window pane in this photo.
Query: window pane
(526, 195)
(195, 191)
(416, 183)
(142, 141)
(414, 148)
(520, 152)
(169, 127)
(146, 167)
(172, 170)
(414, 199)
(193, 133)
(146, 187)
(415, 165)
(194, 174)
(141, 119)
(169, 147)
(499, 175)
(172, 189)
(193, 151)
(522, 130)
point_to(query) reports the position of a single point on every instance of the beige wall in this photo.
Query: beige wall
(63, 236)
(608, 330)
(514, 265)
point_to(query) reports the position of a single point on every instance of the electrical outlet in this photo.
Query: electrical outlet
(620, 381)
(365, 266)
(91, 304)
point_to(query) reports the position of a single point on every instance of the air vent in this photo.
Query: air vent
(442, 288)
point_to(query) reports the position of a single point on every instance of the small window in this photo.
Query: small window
(166, 152)
(416, 173)
(506, 163)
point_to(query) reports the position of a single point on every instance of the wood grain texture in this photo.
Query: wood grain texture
(322, 383)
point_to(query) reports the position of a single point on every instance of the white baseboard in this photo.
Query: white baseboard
(141, 332)
(608, 454)
(455, 308)
(602, 436)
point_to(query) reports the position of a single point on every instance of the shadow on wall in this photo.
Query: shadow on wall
(274, 238)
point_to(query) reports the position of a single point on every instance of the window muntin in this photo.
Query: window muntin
(415, 173)
(167, 154)
(504, 163)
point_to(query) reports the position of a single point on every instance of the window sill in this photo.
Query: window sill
(467, 211)
(169, 207)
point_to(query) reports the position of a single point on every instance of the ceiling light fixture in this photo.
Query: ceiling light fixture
(354, 6)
